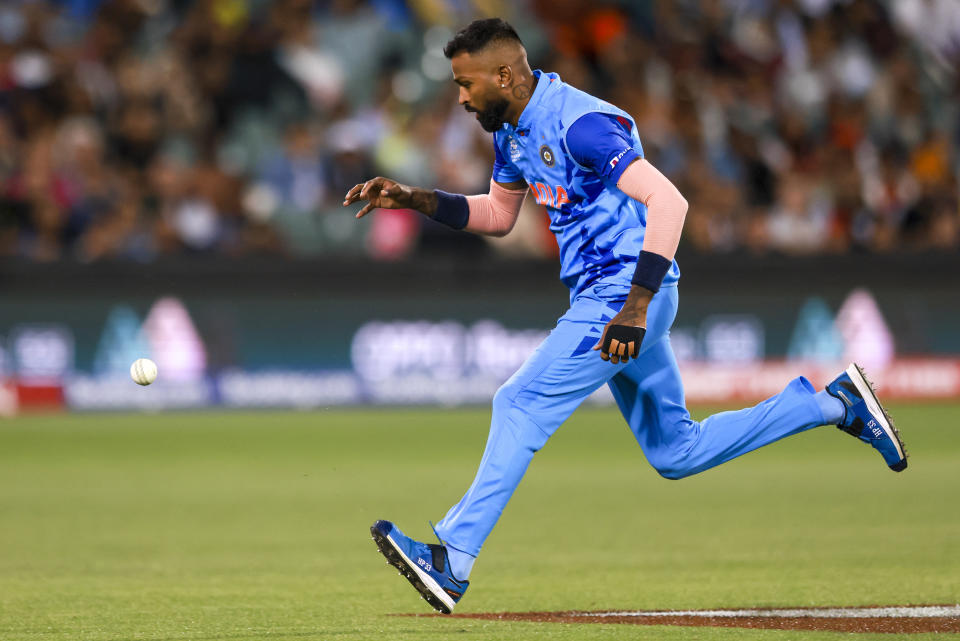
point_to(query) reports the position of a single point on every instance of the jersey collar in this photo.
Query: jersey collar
(545, 83)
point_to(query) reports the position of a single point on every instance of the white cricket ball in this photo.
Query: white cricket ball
(143, 371)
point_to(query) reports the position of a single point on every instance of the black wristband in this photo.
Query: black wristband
(452, 209)
(651, 268)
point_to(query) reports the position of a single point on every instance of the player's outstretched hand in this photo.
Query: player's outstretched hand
(380, 192)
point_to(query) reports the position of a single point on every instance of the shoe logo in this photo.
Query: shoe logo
(454, 594)
(872, 426)
(844, 397)
(426, 566)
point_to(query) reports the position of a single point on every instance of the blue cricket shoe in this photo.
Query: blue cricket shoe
(425, 565)
(865, 418)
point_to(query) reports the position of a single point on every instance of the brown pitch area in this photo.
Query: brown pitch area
(811, 620)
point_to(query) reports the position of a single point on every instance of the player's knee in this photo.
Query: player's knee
(510, 416)
(670, 473)
(505, 398)
(670, 465)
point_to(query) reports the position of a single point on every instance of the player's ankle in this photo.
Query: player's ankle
(461, 563)
(831, 407)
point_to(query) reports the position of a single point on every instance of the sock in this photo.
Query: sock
(460, 563)
(831, 406)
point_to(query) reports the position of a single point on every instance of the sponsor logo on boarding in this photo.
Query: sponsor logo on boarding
(616, 159)
(546, 155)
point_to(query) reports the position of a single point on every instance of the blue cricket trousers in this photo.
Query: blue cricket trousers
(564, 370)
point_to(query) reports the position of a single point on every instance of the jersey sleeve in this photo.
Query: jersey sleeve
(602, 143)
(503, 171)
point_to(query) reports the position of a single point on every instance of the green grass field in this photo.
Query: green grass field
(255, 526)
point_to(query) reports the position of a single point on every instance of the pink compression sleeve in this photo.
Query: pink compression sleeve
(666, 207)
(495, 213)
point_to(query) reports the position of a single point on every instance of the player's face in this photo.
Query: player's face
(479, 91)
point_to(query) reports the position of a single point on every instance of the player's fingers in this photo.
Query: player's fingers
(611, 348)
(358, 194)
(369, 186)
(366, 210)
(352, 194)
(633, 351)
(614, 347)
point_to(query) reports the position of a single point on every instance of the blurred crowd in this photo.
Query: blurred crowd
(134, 129)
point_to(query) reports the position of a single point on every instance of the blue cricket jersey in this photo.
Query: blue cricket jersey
(571, 148)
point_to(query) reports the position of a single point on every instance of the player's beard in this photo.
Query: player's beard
(492, 118)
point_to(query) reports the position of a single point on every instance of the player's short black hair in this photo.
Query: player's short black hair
(478, 34)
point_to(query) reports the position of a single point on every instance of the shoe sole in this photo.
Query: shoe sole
(865, 387)
(428, 588)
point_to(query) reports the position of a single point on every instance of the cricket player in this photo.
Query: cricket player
(617, 221)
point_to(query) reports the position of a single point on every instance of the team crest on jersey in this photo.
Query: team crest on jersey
(546, 155)
(514, 149)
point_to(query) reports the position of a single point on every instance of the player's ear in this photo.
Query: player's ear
(505, 76)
